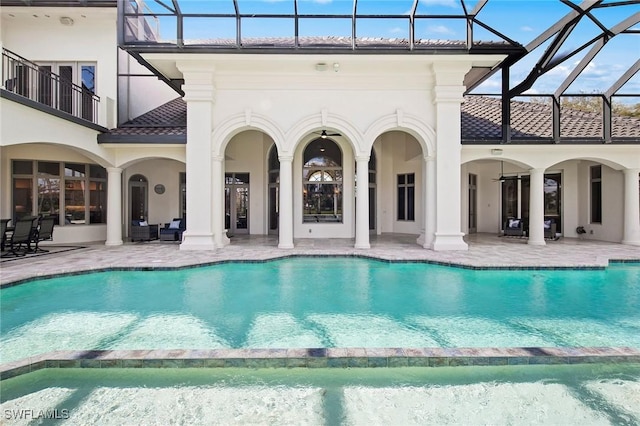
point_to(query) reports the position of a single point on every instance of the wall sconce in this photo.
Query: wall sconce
(496, 151)
(321, 66)
(336, 67)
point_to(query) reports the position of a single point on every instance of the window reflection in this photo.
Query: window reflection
(322, 182)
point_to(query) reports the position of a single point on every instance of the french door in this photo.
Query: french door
(515, 198)
(236, 203)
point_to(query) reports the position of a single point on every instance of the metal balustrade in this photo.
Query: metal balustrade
(34, 82)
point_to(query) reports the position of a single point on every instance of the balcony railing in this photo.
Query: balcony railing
(27, 79)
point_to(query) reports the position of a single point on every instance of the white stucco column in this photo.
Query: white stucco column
(536, 208)
(285, 225)
(430, 202)
(217, 210)
(114, 206)
(631, 233)
(362, 202)
(448, 96)
(199, 96)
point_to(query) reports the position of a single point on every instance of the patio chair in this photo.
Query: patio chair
(550, 229)
(142, 231)
(22, 235)
(173, 231)
(514, 228)
(43, 233)
(4, 224)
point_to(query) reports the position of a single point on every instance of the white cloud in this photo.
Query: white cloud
(397, 30)
(526, 28)
(448, 3)
(440, 29)
(322, 1)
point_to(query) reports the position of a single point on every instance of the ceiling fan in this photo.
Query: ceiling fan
(325, 135)
(504, 178)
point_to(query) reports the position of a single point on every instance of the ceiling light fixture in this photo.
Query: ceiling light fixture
(67, 21)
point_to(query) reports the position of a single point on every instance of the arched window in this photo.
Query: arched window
(322, 182)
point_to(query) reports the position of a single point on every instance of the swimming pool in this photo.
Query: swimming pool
(322, 302)
(584, 395)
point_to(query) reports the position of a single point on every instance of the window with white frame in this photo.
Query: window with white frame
(406, 197)
(73, 193)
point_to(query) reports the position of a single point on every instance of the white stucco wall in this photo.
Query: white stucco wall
(162, 208)
(91, 38)
(611, 228)
(25, 125)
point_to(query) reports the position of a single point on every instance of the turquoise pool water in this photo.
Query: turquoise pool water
(322, 302)
(518, 395)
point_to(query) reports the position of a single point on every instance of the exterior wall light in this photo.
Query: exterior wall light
(321, 66)
(496, 152)
(336, 67)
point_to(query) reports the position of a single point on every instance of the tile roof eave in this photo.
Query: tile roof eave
(143, 139)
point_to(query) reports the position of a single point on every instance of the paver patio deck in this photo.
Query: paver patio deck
(485, 251)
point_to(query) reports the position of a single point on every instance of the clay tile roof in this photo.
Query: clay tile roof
(481, 118)
(169, 119)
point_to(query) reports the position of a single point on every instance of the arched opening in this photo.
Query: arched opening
(322, 181)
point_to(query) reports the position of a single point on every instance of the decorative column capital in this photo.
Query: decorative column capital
(631, 171)
(217, 157)
(365, 158)
(285, 158)
(448, 94)
(198, 81)
(114, 170)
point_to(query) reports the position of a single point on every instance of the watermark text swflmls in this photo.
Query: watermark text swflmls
(29, 414)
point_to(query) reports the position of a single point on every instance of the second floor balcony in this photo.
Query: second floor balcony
(39, 87)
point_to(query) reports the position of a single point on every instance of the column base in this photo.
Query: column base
(536, 242)
(285, 245)
(426, 241)
(630, 242)
(420, 240)
(362, 246)
(113, 243)
(197, 242)
(449, 242)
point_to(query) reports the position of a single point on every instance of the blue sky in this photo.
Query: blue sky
(520, 20)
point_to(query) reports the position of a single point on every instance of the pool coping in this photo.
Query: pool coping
(460, 265)
(321, 358)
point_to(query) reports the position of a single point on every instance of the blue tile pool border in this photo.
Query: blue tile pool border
(276, 258)
(320, 358)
